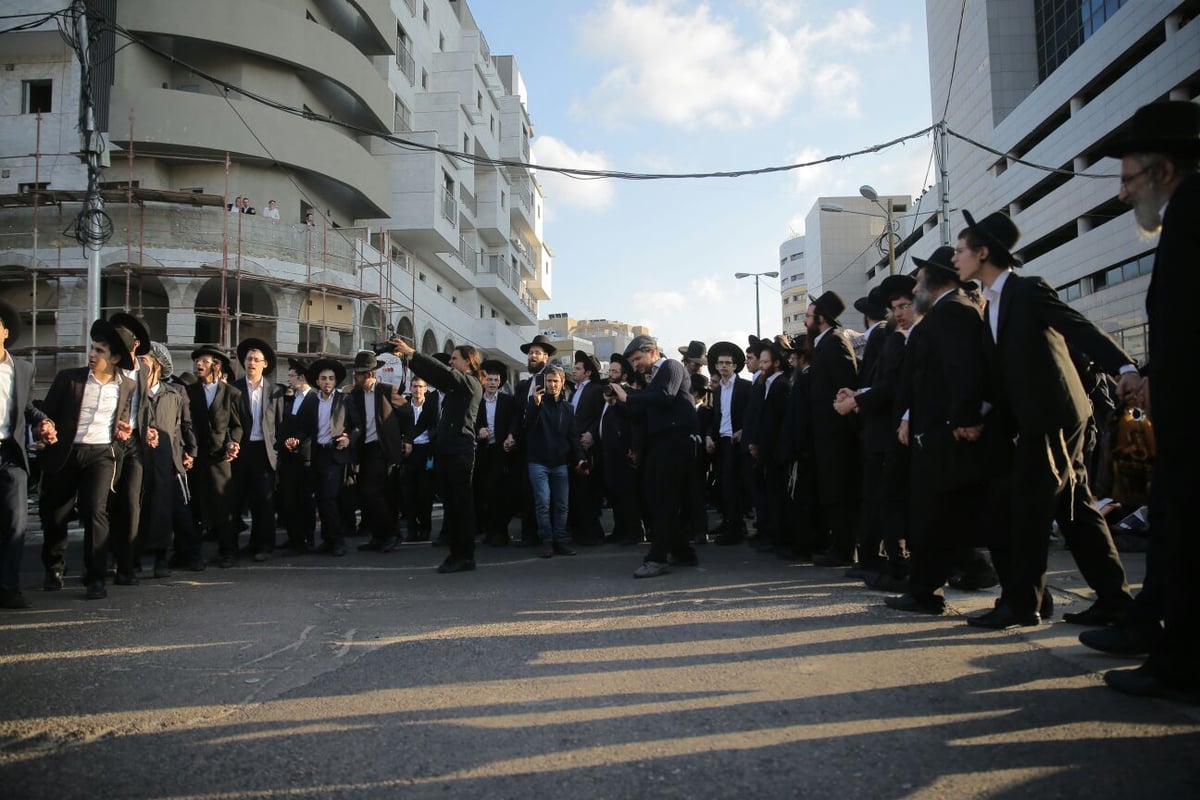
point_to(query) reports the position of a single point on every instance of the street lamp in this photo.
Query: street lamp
(757, 314)
(869, 192)
(836, 209)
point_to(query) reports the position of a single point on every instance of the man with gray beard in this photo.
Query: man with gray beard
(1159, 157)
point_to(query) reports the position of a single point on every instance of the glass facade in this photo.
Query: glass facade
(1063, 25)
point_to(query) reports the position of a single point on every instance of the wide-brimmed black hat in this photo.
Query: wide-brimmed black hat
(639, 342)
(299, 365)
(894, 286)
(997, 230)
(752, 342)
(623, 361)
(365, 361)
(942, 259)
(590, 360)
(135, 326)
(494, 366)
(254, 343)
(726, 349)
(542, 341)
(1172, 126)
(12, 321)
(695, 351)
(105, 331)
(775, 349)
(830, 306)
(215, 352)
(700, 385)
(322, 364)
(873, 305)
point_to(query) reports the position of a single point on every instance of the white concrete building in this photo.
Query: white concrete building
(1051, 88)
(793, 284)
(429, 237)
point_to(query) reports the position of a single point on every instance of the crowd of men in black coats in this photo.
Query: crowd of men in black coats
(944, 455)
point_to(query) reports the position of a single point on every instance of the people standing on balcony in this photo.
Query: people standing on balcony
(270, 210)
(247, 206)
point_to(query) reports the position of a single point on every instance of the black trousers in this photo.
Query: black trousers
(583, 516)
(621, 487)
(495, 489)
(874, 512)
(1049, 484)
(453, 475)
(769, 502)
(125, 506)
(378, 508)
(254, 486)
(212, 501)
(938, 518)
(85, 481)
(158, 497)
(668, 470)
(329, 477)
(418, 491)
(14, 510)
(296, 499)
(731, 484)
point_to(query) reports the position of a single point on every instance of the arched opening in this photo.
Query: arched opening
(429, 343)
(404, 328)
(448, 347)
(372, 325)
(257, 317)
(147, 299)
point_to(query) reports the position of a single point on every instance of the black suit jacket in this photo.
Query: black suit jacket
(218, 424)
(507, 422)
(272, 408)
(879, 407)
(835, 437)
(63, 403)
(587, 412)
(24, 412)
(458, 407)
(741, 397)
(288, 427)
(872, 352)
(1034, 382)
(343, 418)
(387, 419)
(768, 434)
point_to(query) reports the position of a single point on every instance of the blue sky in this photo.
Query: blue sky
(685, 86)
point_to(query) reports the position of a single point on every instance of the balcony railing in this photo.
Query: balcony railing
(449, 206)
(405, 61)
(468, 255)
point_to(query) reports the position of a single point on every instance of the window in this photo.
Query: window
(425, 79)
(466, 143)
(26, 188)
(479, 100)
(37, 96)
(442, 42)
(403, 120)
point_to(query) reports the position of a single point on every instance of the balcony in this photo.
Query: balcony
(406, 62)
(498, 280)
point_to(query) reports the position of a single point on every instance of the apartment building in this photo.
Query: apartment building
(425, 234)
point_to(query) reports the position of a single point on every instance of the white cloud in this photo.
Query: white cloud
(562, 191)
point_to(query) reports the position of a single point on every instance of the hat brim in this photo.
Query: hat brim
(990, 241)
(134, 326)
(322, 364)
(253, 343)
(727, 349)
(549, 348)
(226, 364)
(104, 331)
(361, 368)
(1180, 147)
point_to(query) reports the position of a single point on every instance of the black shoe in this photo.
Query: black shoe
(338, 550)
(631, 540)
(177, 562)
(225, 562)
(161, 570)
(974, 583)
(934, 606)
(793, 555)
(863, 570)
(456, 565)
(13, 600)
(1121, 640)
(390, 544)
(197, 565)
(1142, 682)
(375, 545)
(1097, 615)
(886, 582)
(561, 549)
(53, 580)
(700, 539)
(95, 591)
(1002, 618)
(440, 541)
(683, 560)
(497, 540)
(126, 579)
(728, 538)
(524, 542)
(547, 551)
(261, 556)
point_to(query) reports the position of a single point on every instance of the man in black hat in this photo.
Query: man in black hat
(670, 418)
(1160, 153)
(724, 437)
(496, 428)
(330, 426)
(90, 409)
(537, 355)
(125, 506)
(216, 408)
(255, 467)
(381, 450)
(587, 403)
(1041, 405)
(294, 460)
(874, 309)
(768, 458)
(835, 438)
(16, 412)
(693, 356)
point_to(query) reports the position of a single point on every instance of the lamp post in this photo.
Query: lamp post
(869, 192)
(757, 313)
(891, 252)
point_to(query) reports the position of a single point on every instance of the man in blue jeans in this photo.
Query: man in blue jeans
(552, 446)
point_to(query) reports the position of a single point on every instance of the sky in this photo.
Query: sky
(679, 86)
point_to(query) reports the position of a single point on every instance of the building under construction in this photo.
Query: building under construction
(375, 237)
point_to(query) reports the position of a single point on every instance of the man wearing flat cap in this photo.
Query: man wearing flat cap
(587, 403)
(666, 408)
(216, 407)
(125, 506)
(380, 452)
(1160, 153)
(16, 412)
(835, 438)
(254, 469)
(1041, 405)
(90, 409)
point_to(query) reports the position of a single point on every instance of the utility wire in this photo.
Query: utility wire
(1010, 157)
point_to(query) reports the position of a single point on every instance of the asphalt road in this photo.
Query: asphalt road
(371, 676)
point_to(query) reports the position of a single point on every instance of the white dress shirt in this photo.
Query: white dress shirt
(256, 409)
(372, 434)
(324, 415)
(98, 411)
(726, 428)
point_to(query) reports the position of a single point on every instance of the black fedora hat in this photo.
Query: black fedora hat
(12, 322)
(626, 367)
(254, 343)
(494, 366)
(135, 326)
(590, 360)
(695, 351)
(365, 361)
(104, 331)
(830, 306)
(542, 341)
(215, 352)
(700, 385)
(1171, 126)
(997, 230)
(299, 365)
(873, 305)
(894, 286)
(941, 259)
(726, 349)
(773, 347)
(752, 342)
(322, 364)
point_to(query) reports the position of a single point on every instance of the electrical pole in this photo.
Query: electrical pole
(90, 228)
(945, 179)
